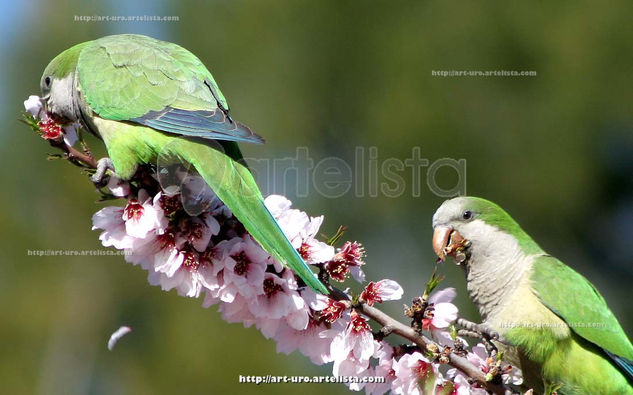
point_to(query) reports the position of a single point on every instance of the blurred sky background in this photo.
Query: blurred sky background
(556, 151)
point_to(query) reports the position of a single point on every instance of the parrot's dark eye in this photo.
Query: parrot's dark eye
(467, 214)
(47, 81)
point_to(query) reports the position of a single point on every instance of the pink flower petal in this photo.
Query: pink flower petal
(119, 333)
(444, 295)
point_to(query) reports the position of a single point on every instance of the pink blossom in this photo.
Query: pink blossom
(351, 366)
(243, 266)
(33, 105)
(384, 369)
(183, 281)
(276, 204)
(168, 201)
(357, 340)
(314, 251)
(110, 220)
(174, 265)
(169, 257)
(479, 357)
(280, 301)
(49, 128)
(118, 187)
(383, 352)
(440, 313)
(70, 134)
(461, 386)
(300, 229)
(313, 342)
(357, 273)
(381, 291)
(410, 370)
(194, 275)
(197, 231)
(348, 259)
(141, 217)
(280, 305)
(333, 311)
(511, 375)
(352, 253)
(296, 225)
(236, 311)
(315, 301)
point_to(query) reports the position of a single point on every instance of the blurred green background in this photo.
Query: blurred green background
(555, 150)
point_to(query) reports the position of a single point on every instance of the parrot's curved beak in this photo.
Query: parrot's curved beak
(441, 238)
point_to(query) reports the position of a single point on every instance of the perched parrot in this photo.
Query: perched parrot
(558, 324)
(145, 98)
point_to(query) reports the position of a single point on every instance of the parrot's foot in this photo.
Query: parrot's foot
(476, 335)
(99, 178)
(481, 331)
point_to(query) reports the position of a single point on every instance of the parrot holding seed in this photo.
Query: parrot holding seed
(146, 98)
(564, 335)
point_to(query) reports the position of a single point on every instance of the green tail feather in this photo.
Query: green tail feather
(234, 184)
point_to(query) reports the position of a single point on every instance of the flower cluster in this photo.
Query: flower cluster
(49, 128)
(189, 241)
(210, 256)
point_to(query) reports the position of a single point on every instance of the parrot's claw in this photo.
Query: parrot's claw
(476, 335)
(99, 178)
(484, 331)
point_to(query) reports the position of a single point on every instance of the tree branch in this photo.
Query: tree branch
(82, 159)
(408, 333)
(388, 324)
(421, 341)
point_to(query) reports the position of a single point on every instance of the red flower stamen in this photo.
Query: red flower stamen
(337, 269)
(133, 210)
(370, 294)
(50, 130)
(190, 261)
(271, 287)
(359, 323)
(333, 311)
(241, 263)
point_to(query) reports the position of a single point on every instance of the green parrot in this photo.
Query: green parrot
(147, 98)
(557, 323)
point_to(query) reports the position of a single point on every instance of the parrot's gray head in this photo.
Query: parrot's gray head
(479, 225)
(59, 88)
(488, 244)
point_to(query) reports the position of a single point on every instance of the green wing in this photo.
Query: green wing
(570, 296)
(157, 84)
(234, 184)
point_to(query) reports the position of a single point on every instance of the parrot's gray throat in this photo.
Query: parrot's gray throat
(496, 266)
(63, 98)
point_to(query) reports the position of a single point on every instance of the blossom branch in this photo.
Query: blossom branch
(188, 240)
(83, 159)
(60, 137)
(422, 342)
